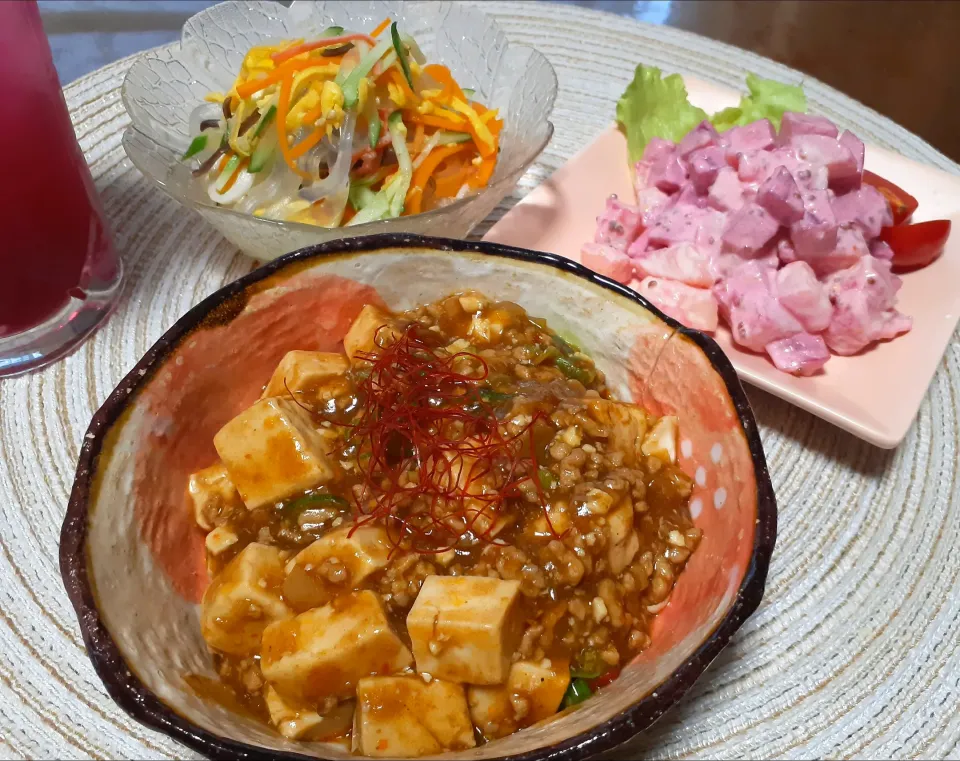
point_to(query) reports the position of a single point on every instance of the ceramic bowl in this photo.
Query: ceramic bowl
(133, 560)
(164, 85)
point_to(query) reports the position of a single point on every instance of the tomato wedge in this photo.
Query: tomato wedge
(916, 245)
(902, 204)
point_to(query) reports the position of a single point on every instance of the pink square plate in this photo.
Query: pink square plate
(874, 395)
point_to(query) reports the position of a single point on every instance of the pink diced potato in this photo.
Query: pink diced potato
(740, 278)
(799, 354)
(680, 223)
(786, 253)
(804, 296)
(688, 196)
(726, 192)
(749, 229)
(759, 319)
(608, 261)
(704, 165)
(650, 201)
(750, 138)
(694, 307)
(855, 145)
(850, 247)
(618, 225)
(866, 208)
(701, 136)
(864, 296)
(820, 150)
(855, 325)
(683, 262)
(657, 149)
(807, 175)
(667, 174)
(709, 235)
(756, 167)
(780, 196)
(871, 276)
(729, 265)
(793, 124)
(816, 234)
(640, 245)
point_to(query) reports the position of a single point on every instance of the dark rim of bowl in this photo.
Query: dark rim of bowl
(144, 706)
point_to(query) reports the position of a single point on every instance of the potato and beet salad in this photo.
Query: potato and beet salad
(441, 536)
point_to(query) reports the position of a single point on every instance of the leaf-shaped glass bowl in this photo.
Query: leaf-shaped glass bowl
(163, 86)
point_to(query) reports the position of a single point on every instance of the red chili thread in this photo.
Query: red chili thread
(441, 466)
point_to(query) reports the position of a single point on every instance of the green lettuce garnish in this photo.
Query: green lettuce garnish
(657, 106)
(767, 99)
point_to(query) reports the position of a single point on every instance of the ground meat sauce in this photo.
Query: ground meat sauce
(462, 439)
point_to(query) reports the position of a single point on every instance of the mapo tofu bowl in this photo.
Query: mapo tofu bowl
(402, 497)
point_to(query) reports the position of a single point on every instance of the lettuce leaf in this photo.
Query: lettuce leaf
(768, 99)
(655, 106)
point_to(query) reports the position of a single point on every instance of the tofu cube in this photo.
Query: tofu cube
(212, 493)
(243, 599)
(324, 652)
(405, 717)
(533, 692)
(296, 722)
(365, 334)
(626, 426)
(622, 540)
(272, 451)
(661, 441)
(315, 374)
(357, 551)
(465, 628)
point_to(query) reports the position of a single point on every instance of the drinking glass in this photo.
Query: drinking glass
(59, 272)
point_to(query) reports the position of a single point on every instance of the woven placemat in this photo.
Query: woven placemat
(855, 651)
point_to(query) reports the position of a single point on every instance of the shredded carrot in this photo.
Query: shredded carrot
(417, 144)
(422, 175)
(251, 86)
(348, 213)
(484, 173)
(283, 105)
(430, 120)
(307, 47)
(380, 27)
(445, 78)
(307, 143)
(448, 183)
(233, 177)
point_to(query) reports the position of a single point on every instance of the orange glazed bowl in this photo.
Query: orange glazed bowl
(132, 557)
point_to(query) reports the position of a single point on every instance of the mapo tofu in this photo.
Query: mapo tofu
(454, 512)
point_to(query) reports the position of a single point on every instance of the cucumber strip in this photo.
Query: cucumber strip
(265, 120)
(446, 137)
(196, 145)
(401, 54)
(375, 127)
(227, 172)
(261, 156)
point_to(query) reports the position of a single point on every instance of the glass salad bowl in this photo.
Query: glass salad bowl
(164, 86)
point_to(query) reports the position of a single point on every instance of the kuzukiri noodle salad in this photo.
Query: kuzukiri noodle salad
(341, 130)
